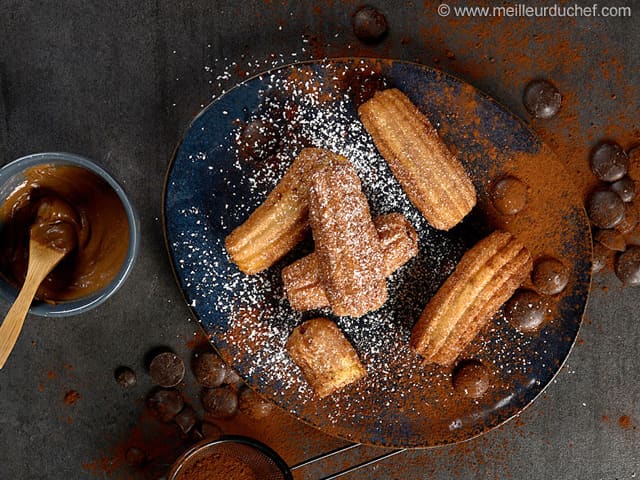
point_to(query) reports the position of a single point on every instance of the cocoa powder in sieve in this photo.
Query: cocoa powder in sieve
(217, 467)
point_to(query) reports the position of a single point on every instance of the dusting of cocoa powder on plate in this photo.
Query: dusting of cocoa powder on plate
(542, 211)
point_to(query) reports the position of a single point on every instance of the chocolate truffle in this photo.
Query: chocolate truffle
(165, 404)
(625, 187)
(221, 402)
(211, 430)
(542, 99)
(550, 276)
(471, 378)
(254, 406)
(166, 369)
(369, 24)
(231, 377)
(125, 377)
(362, 84)
(209, 369)
(630, 220)
(526, 310)
(258, 139)
(628, 266)
(509, 195)
(609, 162)
(605, 208)
(185, 419)
(611, 239)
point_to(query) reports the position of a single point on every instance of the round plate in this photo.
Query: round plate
(212, 186)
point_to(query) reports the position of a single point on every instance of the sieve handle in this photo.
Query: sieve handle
(322, 456)
(350, 469)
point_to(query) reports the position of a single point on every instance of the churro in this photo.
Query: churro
(431, 176)
(302, 283)
(282, 220)
(349, 252)
(326, 358)
(485, 278)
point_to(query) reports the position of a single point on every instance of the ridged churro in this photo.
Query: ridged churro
(326, 358)
(281, 221)
(431, 176)
(398, 238)
(349, 252)
(302, 283)
(486, 276)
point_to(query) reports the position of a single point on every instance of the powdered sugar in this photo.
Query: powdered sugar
(311, 114)
(249, 317)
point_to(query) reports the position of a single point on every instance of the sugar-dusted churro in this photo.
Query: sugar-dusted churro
(485, 278)
(431, 176)
(398, 238)
(326, 358)
(302, 283)
(347, 245)
(281, 221)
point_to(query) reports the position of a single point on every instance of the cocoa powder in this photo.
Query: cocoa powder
(217, 467)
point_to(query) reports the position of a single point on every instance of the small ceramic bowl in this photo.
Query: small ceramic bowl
(12, 174)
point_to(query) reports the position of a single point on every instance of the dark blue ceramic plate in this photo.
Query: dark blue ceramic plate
(211, 188)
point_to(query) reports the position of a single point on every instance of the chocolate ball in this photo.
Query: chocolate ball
(221, 402)
(471, 378)
(625, 187)
(209, 369)
(628, 266)
(526, 310)
(211, 430)
(252, 405)
(231, 377)
(605, 208)
(185, 419)
(167, 369)
(550, 276)
(630, 220)
(542, 99)
(609, 162)
(509, 195)
(165, 404)
(258, 139)
(125, 377)
(369, 24)
(361, 85)
(611, 239)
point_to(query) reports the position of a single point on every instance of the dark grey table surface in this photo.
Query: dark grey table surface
(119, 82)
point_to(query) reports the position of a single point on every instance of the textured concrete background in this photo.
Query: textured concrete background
(119, 82)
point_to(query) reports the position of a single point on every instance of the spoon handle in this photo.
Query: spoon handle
(36, 273)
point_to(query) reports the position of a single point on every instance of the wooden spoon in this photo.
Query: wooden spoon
(51, 238)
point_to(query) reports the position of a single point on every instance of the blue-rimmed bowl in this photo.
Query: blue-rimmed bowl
(12, 174)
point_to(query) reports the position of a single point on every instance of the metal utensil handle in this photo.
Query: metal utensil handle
(350, 469)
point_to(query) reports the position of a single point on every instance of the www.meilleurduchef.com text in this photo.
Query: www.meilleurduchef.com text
(524, 10)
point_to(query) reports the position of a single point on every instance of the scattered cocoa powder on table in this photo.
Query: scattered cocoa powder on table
(71, 397)
(217, 467)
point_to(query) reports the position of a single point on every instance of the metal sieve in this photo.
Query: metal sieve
(264, 462)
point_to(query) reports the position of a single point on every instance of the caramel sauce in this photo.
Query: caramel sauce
(56, 225)
(71, 209)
